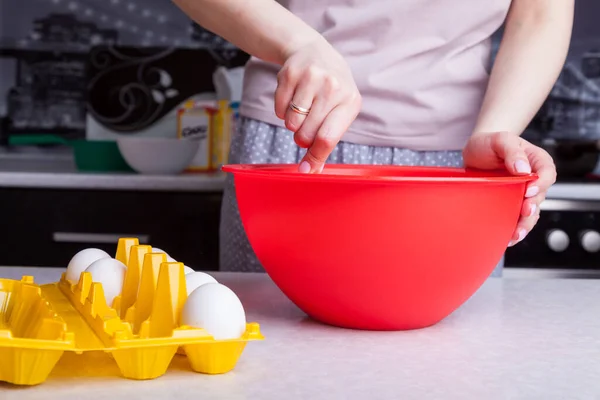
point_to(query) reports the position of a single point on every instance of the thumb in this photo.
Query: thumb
(508, 147)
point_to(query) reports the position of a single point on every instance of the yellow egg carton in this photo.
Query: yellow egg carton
(141, 330)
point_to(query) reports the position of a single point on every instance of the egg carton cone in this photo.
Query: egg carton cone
(140, 329)
(33, 337)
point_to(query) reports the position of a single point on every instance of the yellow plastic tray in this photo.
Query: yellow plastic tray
(141, 331)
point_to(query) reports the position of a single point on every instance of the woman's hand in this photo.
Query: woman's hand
(314, 76)
(518, 156)
(317, 80)
(532, 52)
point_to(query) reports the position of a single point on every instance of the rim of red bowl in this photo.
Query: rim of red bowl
(379, 173)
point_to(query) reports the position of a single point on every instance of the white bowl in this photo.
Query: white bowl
(158, 156)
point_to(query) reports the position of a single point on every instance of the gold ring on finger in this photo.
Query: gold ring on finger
(300, 110)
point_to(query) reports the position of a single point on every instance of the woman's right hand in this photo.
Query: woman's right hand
(313, 74)
(316, 77)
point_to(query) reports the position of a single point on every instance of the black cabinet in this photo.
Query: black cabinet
(43, 227)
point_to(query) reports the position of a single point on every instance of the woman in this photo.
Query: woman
(389, 82)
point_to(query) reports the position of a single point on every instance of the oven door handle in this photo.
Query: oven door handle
(94, 238)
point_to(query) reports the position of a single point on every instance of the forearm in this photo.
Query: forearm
(530, 58)
(262, 28)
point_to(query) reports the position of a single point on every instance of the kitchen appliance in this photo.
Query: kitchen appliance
(378, 247)
(566, 239)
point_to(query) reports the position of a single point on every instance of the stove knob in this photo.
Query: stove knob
(557, 240)
(590, 241)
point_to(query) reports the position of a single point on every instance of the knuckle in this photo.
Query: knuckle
(281, 76)
(291, 124)
(301, 142)
(539, 199)
(531, 222)
(280, 106)
(306, 131)
(332, 84)
(282, 102)
(314, 158)
(287, 74)
(497, 139)
(313, 72)
(327, 141)
(304, 137)
(545, 154)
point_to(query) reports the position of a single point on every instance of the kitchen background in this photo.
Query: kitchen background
(78, 71)
(56, 54)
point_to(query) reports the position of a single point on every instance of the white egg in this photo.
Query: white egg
(81, 261)
(187, 270)
(195, 279)
(111, 274)
(217, 309)
(169, 258)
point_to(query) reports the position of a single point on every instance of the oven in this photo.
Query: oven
(566, 239)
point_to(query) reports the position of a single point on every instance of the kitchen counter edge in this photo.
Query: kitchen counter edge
(196, 182)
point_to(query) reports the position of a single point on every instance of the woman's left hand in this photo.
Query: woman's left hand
(518, 156)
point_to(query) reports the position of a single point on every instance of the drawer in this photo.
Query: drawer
(46, 227)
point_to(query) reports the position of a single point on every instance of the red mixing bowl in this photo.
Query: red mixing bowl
(378, 247)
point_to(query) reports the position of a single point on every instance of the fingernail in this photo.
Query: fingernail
(532, 191)
(522, 234)
(304, 167)
(532, 209)
(522, 167)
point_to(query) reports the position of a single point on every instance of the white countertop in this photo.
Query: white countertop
(514, 339)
